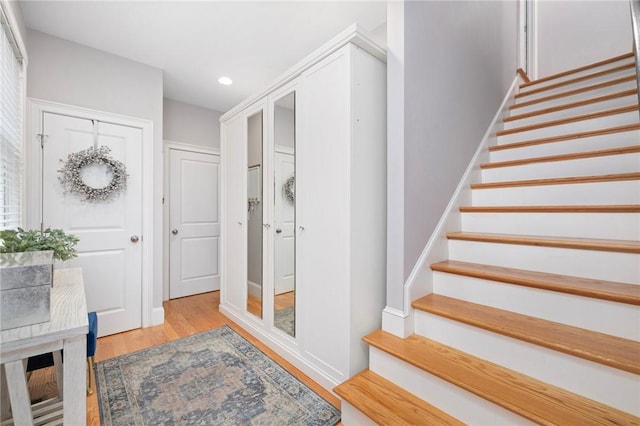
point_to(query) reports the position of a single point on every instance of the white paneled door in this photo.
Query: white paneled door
(110, 247)
(194, 217)
(284, 211)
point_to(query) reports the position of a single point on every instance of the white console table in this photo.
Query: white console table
(67, 330)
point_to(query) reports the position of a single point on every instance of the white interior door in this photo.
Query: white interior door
(284, 218)
(110, 247)
(194, 217)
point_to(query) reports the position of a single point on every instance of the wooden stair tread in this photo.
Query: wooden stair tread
(630, 66)
(597, 289)
(600, 208)
(570, 136)
(583, 117)
(558, 181)
(388, 404)
(523, 395)
(620, 246)
(577, 70)
(564, 157)
(571, 105)
(613, 351)
(573, 92)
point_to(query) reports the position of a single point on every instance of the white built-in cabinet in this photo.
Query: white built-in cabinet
(340, 208)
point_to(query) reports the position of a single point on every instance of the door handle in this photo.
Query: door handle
(134, 238)
(278, 231)
(174, 231)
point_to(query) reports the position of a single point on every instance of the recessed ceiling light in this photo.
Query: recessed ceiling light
(225, 81)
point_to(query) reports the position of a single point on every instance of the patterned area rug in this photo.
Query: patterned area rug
(284, 320)
(212, 378)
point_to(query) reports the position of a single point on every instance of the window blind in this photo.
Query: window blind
(11, 113)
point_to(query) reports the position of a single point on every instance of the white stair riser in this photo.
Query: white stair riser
(572, 86)
(616, 319)
(351, 416)
(615, 192)
(592, 143)
(599, 265)
(568, 98)
(620, 119)
(615, 226)
(457, 402)
(572, 112)
(582, 73)
(595, 381)
(608, 164)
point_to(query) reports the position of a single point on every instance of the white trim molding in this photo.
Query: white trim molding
(397, 322)
(33, 166)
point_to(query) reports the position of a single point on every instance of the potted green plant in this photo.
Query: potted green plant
(26, 273)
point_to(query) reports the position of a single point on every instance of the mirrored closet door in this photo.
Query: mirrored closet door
(255, 212)
(284, 214)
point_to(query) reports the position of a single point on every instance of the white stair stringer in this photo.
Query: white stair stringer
(457, 402)
(616, 102)
(613, 318)
(523, 106)
(611, 226)
(615, 119)
(591, 143)
(577, 74)
(604, 164)
(529, 93)
(608, 385)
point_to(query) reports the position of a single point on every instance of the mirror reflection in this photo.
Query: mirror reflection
(254, 214)
(284, 214)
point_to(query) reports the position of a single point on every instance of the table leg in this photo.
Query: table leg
(5, 404)
(18, 393)
(57, 362)
(74, 401)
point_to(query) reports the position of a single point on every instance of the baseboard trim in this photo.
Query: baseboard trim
(157, 316)
(397, 322)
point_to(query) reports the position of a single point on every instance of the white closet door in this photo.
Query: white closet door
(234, 203)
(322, 191)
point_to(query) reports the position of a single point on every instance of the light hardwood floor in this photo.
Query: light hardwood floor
(183, 317)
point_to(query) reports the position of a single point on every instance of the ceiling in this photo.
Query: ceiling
(195, 43)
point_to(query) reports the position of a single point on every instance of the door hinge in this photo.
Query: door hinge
(42, 136)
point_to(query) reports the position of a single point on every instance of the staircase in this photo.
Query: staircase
(535, 316)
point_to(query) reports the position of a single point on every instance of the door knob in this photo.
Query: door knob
(278, 231)
(301, 228)
(174, 231)
(134, 238)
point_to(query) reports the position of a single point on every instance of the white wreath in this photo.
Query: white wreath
(70, 174)
(290, 189)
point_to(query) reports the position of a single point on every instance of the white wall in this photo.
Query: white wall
(190, 124)
(69, 73)
(574, 33)
(452, 62)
